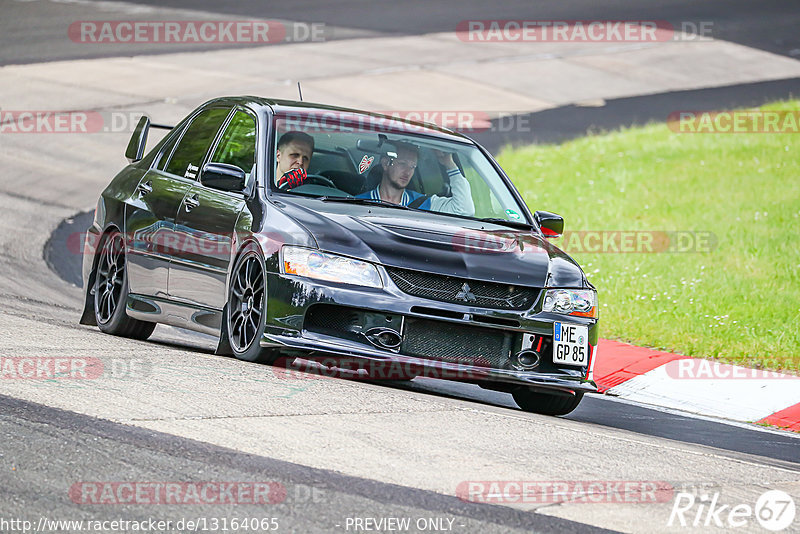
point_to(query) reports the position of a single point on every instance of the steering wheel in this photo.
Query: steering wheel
(318, 178)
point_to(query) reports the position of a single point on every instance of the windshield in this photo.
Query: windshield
(378, 162)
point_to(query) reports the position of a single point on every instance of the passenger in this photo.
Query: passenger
(398, 168)
(292, 157)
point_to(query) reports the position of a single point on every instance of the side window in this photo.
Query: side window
(237, 146)
(166, 151)
(192, 148)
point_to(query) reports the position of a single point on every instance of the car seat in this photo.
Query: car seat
(349, 182)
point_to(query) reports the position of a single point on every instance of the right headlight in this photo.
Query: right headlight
(580, 302)
(311, 263)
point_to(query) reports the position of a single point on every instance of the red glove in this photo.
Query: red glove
(291, 179)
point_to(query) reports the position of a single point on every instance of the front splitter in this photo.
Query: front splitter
(431, 368)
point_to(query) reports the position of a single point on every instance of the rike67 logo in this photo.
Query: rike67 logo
(774, 510)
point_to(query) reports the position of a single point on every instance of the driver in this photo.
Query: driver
(292, 157)
(398, 168)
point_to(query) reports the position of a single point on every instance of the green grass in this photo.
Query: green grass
(739, 303)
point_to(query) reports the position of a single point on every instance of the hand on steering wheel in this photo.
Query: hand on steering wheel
(292, 178)
(297, 177)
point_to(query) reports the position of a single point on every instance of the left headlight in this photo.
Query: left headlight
(329, 267)
(580, 302)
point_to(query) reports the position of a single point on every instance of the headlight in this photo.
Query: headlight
(580, 302)
(312, 263)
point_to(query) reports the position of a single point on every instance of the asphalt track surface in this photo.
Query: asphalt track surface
(28, 36)
(593, 409)
(48, 445)
(315, 500)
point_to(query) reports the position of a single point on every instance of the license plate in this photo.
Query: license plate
(570, 344)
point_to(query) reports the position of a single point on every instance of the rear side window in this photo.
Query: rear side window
(163, 159)
(192, 147)
(238, 144)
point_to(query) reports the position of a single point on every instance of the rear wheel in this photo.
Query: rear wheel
(245, 317)
(111, 292)
(545, 403)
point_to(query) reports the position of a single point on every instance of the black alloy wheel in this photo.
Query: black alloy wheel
(246, 308)
(111, 292)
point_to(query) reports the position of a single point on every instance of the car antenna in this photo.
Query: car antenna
(299, 90)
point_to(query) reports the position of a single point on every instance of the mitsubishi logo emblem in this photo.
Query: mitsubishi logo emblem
(465, 294)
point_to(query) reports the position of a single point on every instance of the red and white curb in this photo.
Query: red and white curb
(697, 386)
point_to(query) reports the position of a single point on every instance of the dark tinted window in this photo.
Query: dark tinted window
(195, 142)
(166, 151)
(238, 144)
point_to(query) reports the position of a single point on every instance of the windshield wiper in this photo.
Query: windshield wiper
(356, 200)
(506, 222)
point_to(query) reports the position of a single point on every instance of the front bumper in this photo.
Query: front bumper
(288, 328)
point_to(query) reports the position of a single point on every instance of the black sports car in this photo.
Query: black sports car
(293, 229)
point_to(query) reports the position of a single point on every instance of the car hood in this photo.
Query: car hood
(434, 243)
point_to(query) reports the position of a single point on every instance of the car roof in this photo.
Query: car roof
(281, 107)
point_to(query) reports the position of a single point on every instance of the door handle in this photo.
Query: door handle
(145, 188)
(191, 202)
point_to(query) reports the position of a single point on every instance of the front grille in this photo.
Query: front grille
(464, 291)
(455, 343)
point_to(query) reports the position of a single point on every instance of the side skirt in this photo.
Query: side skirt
(182, 315)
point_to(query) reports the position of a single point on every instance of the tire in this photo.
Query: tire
(245, 311)
(111, 292)
(545, 403)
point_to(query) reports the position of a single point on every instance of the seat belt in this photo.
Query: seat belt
(419, 201)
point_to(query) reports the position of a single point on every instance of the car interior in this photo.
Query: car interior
(340, 166)
(347, 164)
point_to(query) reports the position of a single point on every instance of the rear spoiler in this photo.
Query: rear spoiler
(135, 150)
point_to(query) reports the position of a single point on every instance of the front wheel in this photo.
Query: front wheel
(545, 403)
(111, 293)
(245, 314)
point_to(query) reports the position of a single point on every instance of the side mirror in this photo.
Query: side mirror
(223, 177)
(135, 150)
(552, 225)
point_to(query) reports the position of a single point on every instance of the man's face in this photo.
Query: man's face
(400, 170)
(294, 155)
